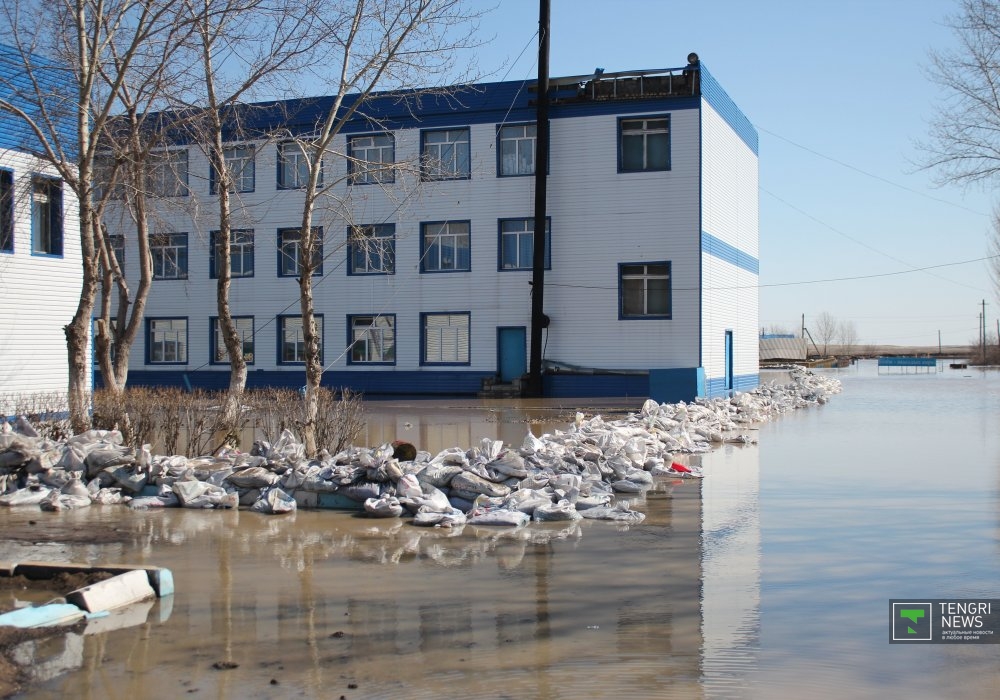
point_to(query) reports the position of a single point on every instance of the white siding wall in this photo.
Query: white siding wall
(39, 293)
(599, 218)
(730, 213)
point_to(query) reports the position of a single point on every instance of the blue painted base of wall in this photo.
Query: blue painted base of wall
(741, 382)
(588, 386)
(662, 385)
(677, 384)
(369, 383)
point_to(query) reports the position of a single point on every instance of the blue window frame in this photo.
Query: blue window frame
(245, 329)
(371, 249)
(6, 211)
(46, 216)
(371, 339)
(516, 145)
(370, 158)
(444, 338)
(167, 173)
(445, 246)
(290, 252)
(293, 165)
(167, 341)
(117, 243)
(240, 253)
(291, 341)
(445, 155)
(242, 169)
(169, 252)
(517, 244)
(644, 143)
(644, 290)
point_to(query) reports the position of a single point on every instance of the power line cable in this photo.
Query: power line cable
(862, 243)
(872, 175)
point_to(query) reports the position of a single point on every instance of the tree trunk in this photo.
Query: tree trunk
(314, 365)
(78, 330)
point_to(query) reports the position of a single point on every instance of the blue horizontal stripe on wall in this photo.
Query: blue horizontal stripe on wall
(716, 386)
(588, 386)
(398, 383)
(722, 103)
(564, 386)
(388, 383)
(718, 248)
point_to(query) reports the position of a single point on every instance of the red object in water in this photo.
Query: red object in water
(678, 467)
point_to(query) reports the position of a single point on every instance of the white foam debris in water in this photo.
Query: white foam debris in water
(563, 476)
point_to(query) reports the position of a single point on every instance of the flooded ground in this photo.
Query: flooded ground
(769, 580)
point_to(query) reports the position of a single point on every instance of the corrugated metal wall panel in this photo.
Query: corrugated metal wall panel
(598, 218)
(39, 293)
(729, 215)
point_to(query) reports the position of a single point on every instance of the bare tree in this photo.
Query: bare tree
(964, 145)
(394, 44)
(827, 328)
(72, 38)
(239, 47)
(123, 175)
(848, 337)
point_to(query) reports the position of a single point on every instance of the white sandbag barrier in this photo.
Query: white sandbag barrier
(592, 470)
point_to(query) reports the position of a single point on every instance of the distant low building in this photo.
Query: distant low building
(782, 348)
(40, 263)
(425, 283)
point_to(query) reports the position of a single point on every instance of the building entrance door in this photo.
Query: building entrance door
(729, 360)
(512, 352)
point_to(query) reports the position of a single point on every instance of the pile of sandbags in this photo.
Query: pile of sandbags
(592, 470)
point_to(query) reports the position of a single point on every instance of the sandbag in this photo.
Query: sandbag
(273, 502)
(384, 507)
(438, 475)
(618, 513)
(467, 481)
(252, 478)
(563, 510)
(31, 496)
(431, 518)
(511, 518)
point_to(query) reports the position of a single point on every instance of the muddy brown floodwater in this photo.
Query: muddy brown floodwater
(770, 579)
(324, 604)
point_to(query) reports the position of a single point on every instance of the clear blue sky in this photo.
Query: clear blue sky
(843, 80)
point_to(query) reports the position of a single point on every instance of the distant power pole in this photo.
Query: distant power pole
(982, 317)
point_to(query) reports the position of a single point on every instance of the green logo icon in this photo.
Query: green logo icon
(911, 621)
(912, 614)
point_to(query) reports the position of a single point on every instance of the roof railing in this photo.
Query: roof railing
(626, 85)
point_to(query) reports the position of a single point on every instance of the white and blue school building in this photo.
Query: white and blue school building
(40, 265)
(651, 266)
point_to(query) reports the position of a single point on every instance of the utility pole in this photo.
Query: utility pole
(982, 320)
(538, 319)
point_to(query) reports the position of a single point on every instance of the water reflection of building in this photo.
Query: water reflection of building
(730, 565)
(538, 611)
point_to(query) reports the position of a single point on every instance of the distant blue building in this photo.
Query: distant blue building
(40, 264)
(424, 288)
